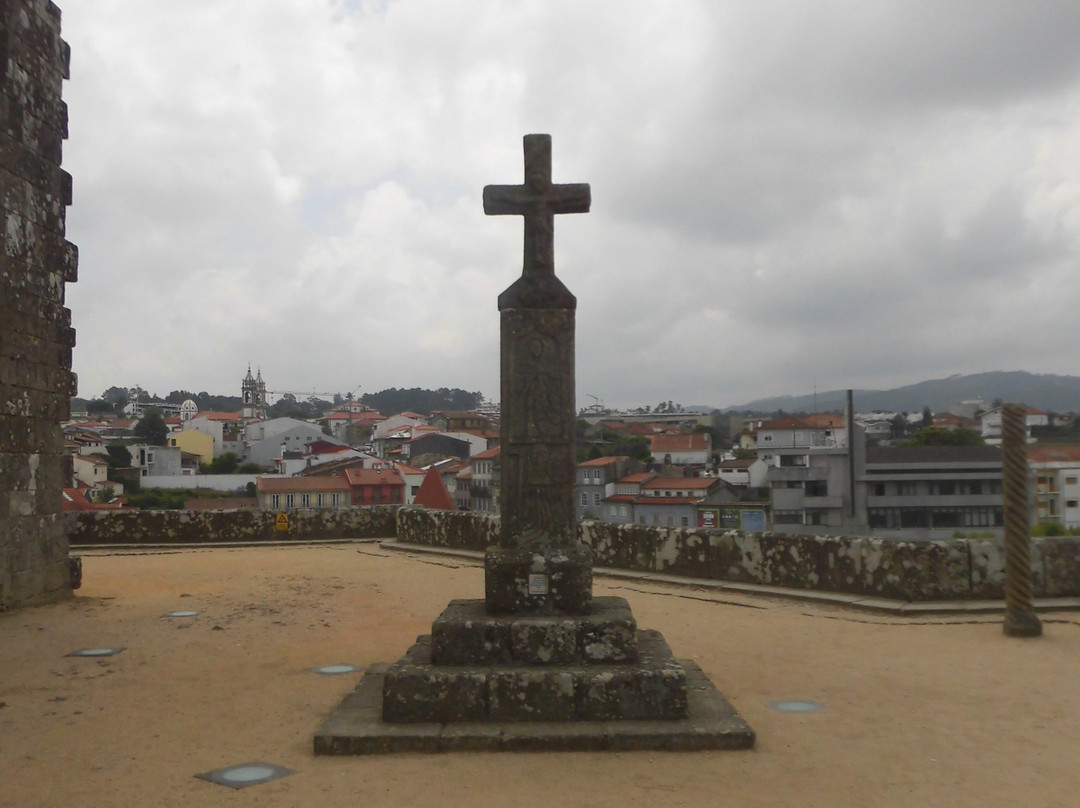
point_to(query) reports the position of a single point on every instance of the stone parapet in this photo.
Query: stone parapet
(243, 525)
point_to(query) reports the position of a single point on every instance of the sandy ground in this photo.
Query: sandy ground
(919, 712)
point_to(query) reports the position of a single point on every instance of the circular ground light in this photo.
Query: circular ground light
(334, 670)
(96, 652)
(182, 614)
(247, 774)
(791, 706)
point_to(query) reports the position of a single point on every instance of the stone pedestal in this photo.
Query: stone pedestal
(490, 682)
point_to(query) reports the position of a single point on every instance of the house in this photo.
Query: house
(990, 423)
(156, 461)
(484, 487)
(674, 501)
(693, 450)
(413, 479)
(751, 472)
(435, 446)
(812, 472)
(276, 493)
(931, 491)
(92, 470)
(1055, 471)
(193, 441)
(267, 440)
(596, 482)
(454, 421)
(388, 435)
(378, 485)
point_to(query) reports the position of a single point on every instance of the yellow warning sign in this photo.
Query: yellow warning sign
(282, 522)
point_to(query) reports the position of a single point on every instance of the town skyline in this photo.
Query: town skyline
(784, 195)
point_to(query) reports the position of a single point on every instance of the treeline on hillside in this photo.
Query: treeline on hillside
(115, 399)
(416, 399)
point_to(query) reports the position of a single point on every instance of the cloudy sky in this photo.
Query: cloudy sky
(786, 195)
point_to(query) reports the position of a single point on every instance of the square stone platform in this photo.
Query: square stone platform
(356, 727)
(484, 681)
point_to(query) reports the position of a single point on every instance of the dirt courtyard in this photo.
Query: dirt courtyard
(936, 711)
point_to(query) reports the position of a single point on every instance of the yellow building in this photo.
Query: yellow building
(194, 442)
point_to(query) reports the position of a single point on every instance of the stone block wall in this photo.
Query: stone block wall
(234, 526)
(953, 569)
(36, 337)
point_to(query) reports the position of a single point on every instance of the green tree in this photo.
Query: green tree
(939, 436)
(927, 418)
(151, 427)
(119, 456)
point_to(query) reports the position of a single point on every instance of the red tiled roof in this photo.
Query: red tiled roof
(433, 493)
(640, 477)
(1053, 454)
(487, 455)
(681, 483)
(603, 461)
(826, 420)
(284, 485)
(667, 500)
(325, 447)
(218, 416)
(381, 475)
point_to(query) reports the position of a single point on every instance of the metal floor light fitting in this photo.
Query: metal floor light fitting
(246, 774)
(187, 613)
(794, 706)
(95, 652)
(336, 670)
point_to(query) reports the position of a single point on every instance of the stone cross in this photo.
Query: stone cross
(538, 565)
(538, 200)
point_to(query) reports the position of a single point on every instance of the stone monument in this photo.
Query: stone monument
(539, 663)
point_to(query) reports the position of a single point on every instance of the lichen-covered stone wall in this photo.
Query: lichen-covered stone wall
(243, 525)
(35, 329)
(954, 569)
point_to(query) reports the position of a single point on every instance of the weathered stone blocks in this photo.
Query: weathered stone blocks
(466, 634)
(519, 580)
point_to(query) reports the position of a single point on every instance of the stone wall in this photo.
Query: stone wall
(954, 569)
(234, 526)
(35, 329)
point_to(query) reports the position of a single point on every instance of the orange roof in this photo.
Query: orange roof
(380, 475)
(1053, 454)
(218, 416)
(825, 420)
(683, 483)
(487, 455)
(640, 477)
(603, 461)
(667, 500)
(696, 442)
(287, 485)
(433, 493)
(404, 468)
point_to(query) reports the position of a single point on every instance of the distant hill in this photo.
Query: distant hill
(1042, 391)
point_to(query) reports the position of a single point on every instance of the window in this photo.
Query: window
(611, 510)
(595, 500)
(945, 489)
(584, 500)
(622, 510)
(290, 500)
(275, 500)
(305, 500)
(685, 521)
(879, 489)
(671, 521)
(1072, 503)
(320, 500)
(788, 517)
(1070, 481)
(335, 499)
(817, 488)
(906, 490)
(415, 490)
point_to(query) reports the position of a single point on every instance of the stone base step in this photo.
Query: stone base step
(466, 634)
(356, 727)
(653, 687)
